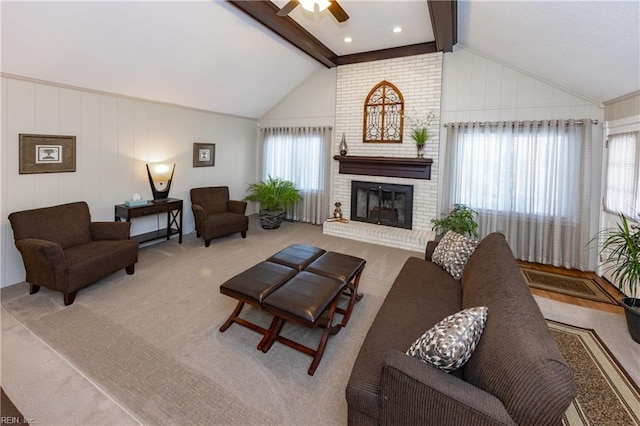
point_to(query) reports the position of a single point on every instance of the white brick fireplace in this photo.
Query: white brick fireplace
(419, 78)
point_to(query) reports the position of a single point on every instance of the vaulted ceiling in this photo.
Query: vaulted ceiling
(213, 56)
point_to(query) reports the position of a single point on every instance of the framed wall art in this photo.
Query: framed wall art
(46, 154)
(204, 154)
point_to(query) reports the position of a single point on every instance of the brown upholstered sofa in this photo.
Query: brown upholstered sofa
(216, 215)
(515, 376)
(64, 251)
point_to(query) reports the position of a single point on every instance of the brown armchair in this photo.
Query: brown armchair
(216, 215)
(64, 251)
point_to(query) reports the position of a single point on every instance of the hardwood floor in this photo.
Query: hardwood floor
(606, 285)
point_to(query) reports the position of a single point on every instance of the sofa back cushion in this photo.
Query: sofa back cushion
(517, 360)
(212, 199)
(68, 224)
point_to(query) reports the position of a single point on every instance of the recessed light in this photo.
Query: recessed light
(397, 29)
(348, 39)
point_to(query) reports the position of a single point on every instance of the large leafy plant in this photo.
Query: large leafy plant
(461, 219)
(621, 254)
(274, 194)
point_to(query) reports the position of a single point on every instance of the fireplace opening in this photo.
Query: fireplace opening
(382, 203)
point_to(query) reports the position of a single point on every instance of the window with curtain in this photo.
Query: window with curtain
(622, 186)
(527, 180)
(301, 155)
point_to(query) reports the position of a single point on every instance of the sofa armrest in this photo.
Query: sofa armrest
(199, 213)
(40, 259)
(239, 207)
(110, 230)
(412, 392)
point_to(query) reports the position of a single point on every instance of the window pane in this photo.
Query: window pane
(621, 189)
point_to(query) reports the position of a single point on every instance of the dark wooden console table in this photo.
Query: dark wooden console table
(171, 206)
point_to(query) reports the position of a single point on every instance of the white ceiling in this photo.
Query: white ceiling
(589, 47)
(210, 55)
(370, 24)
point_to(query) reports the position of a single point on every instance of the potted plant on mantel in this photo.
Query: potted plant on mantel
(274, 196)
(620, 254)
(461, 219)
(420, 132)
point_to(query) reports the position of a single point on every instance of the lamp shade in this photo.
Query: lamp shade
(160, 176)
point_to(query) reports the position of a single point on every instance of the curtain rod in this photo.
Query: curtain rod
(521, 123)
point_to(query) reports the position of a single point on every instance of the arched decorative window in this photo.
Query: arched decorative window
(383, 114)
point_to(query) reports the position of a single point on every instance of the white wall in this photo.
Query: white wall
(476, 88)
(115, 137)
(313, 103)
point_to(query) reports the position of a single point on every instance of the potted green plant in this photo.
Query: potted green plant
(620, 254)
(274, 196)
(420, 131)
(460, 219)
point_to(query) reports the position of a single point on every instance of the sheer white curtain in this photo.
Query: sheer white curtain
(301, 155)
(622, 189)
(527, 180)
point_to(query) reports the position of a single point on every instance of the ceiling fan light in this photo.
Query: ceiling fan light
(323, 4)
(307, 4)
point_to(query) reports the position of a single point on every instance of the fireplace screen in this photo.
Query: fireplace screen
(382, 204)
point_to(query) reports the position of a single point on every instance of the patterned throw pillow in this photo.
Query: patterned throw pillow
(452, 253)
(449, 344)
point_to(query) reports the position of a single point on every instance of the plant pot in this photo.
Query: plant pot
(271, 219)
(632, 313)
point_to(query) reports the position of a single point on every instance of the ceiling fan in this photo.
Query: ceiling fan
(336, 10)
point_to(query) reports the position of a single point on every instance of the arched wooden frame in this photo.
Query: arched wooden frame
(383, 114)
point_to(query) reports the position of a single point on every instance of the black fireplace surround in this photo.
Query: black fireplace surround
(382, 203)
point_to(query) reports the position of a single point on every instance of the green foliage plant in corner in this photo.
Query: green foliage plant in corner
(461, 219)
(620, 255)
(274, 196)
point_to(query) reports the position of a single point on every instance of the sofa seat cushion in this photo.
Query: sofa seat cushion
(88, 263)
(221, 224)
(515, 335)
(422, 294)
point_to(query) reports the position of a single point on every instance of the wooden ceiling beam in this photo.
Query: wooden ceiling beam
(265, 12)
(392, 52)
(444, 20)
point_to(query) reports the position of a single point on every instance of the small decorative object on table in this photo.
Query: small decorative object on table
(343, 146)
(420, 131)
(337, 214)
(135, 200)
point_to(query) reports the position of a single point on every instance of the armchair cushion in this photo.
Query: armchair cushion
(110, 230)
(67, 224)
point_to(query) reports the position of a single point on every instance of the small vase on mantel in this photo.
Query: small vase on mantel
(343, 146)
(420, 150)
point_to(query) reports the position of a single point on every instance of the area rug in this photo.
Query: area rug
(606, 393)
(572, 286)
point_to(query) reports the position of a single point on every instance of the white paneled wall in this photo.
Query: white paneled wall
(115, 137)
(476, 88)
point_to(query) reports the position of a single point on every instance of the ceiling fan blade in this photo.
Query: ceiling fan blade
(287, 8)
(337, 11)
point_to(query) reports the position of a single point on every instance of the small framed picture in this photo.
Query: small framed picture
(47, 154)
(204, 154)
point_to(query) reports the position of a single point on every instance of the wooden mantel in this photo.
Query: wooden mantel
(412, 168)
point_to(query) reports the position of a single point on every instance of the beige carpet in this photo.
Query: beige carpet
(606, 393)
(146, 348)
(151, 342)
